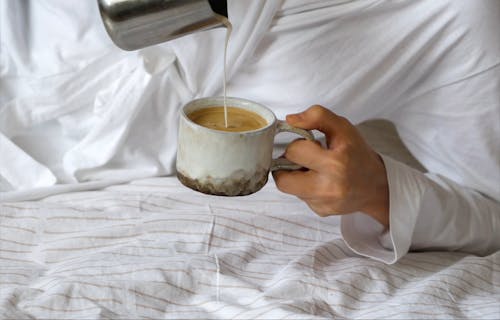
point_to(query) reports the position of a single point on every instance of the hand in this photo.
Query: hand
(347, 176)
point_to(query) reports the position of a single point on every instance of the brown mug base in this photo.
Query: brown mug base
(231, 187)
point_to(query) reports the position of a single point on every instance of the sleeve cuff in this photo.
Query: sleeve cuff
(367, 237)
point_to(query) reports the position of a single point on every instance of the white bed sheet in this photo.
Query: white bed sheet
(155, 249)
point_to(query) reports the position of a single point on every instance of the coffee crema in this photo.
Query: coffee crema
(239, 120)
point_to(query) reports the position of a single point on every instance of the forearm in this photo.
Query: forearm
(377, 205)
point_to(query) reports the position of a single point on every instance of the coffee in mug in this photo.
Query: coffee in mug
(236, 162)
(238, 119)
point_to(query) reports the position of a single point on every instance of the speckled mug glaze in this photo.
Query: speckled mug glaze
(229, 163)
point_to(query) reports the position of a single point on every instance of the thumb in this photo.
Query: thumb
(319, 118)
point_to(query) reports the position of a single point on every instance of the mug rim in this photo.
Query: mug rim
(221, 99)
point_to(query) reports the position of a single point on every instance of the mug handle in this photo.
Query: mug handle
(283, 163)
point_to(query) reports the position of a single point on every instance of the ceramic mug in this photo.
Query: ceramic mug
(229, 163)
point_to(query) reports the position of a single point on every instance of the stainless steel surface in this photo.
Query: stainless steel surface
(135, 24)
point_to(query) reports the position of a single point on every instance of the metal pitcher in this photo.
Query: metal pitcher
(135, 24)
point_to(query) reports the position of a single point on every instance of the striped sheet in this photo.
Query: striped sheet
(154, 249)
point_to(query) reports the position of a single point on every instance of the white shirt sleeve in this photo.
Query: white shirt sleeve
(427, 212)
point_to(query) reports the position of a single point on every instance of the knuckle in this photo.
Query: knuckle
(348, 147)
(346, 127)
(318, 112)
(334, 189)
(342, 191)
(317, 108)
(324, 190)
(334, 166)
(340, 161)
(321, 189)
(344, 123)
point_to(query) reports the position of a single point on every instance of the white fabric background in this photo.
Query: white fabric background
(153, 249)
(75, 108)
(78, 113)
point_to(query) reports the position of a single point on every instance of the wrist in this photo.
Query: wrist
(377, 205)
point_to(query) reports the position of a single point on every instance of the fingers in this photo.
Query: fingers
(298, 183)
(322, 119)
(305, 186)
(308, 154)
